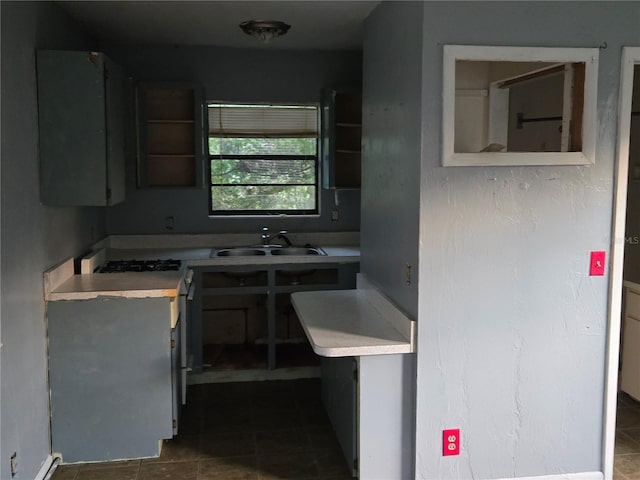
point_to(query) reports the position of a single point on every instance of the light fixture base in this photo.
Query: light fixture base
(265, 30)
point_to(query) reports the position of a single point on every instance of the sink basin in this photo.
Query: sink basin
(240, 252)
(295, 251)
(266, 250)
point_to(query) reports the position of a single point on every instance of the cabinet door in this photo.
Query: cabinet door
(115, 87)
(73, 130)
(339, 396)
(176, 373)
(110, 377)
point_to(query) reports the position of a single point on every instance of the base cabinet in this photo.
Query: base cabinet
(257, 289)
(113, 393)
(369, 401)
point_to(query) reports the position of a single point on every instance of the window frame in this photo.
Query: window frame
(453, 53)
(271, 212)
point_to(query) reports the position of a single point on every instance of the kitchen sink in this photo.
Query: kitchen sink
(296, 251)
(240, 252)
(267, 250)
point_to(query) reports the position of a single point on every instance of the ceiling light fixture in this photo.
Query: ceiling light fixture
(264, 30)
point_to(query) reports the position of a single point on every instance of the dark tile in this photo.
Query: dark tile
(331, 462)
(314, 417)
(180, 448)
(628, 418)
(259, 404)
(625, 444)
(628, 465)
(307, 388)
(102, 472)
(235, 468)
(632, 433)
(272, 389)
(276, 420)
(624, 400)
(65, 472)
(169, 471)
(323, 438)
(297, 466)
(222, 420)
(228, 444)
(617, 475)
(346, 476)
(282, 441)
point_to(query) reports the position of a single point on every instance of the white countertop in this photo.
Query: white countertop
(167, 284)
(341, 323)
(127, 285)
(200, 257)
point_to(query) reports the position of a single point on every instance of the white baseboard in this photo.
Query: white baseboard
(563, 476)
(45, 468)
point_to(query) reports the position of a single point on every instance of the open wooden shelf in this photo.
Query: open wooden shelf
(169, 125)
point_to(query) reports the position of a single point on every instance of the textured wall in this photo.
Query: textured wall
(512, 329)
(232, 74)
(34, 237)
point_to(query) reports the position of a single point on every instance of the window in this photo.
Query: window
(263, 159)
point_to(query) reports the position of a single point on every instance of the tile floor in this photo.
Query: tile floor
(278, 430)
(627, 453)
(271, 430)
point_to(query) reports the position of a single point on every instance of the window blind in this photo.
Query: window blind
(262, 121)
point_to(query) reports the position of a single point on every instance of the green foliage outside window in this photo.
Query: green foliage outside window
(263, 174)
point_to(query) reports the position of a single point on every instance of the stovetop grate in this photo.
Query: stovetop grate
(115, 266)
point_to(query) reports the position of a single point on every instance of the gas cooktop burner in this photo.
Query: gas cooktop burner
(140, 266)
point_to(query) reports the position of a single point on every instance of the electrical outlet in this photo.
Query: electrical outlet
(14, 464)
(169, 223)
(596, 264)
(451, 442)
(335, 216)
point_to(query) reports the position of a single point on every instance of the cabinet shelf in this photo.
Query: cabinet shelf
(342, 137)
(171, 136)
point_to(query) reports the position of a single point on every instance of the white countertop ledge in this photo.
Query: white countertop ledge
(362, 321)
(60, 283)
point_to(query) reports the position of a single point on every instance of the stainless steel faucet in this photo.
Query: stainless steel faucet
(282, 234)
(265, 236)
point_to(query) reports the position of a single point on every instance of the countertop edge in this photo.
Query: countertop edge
(326, 350)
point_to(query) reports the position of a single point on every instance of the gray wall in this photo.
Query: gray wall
(232, 74)
(391, 134)
(34, 237)
(389, 236)
(512, 329)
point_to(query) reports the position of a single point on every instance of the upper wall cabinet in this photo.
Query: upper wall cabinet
(519, 106)
(171, 135)
(341, 138)
(81, 109)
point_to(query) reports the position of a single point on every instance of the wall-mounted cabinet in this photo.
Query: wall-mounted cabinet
(81, 109)
(171, 139)
(341, 138)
